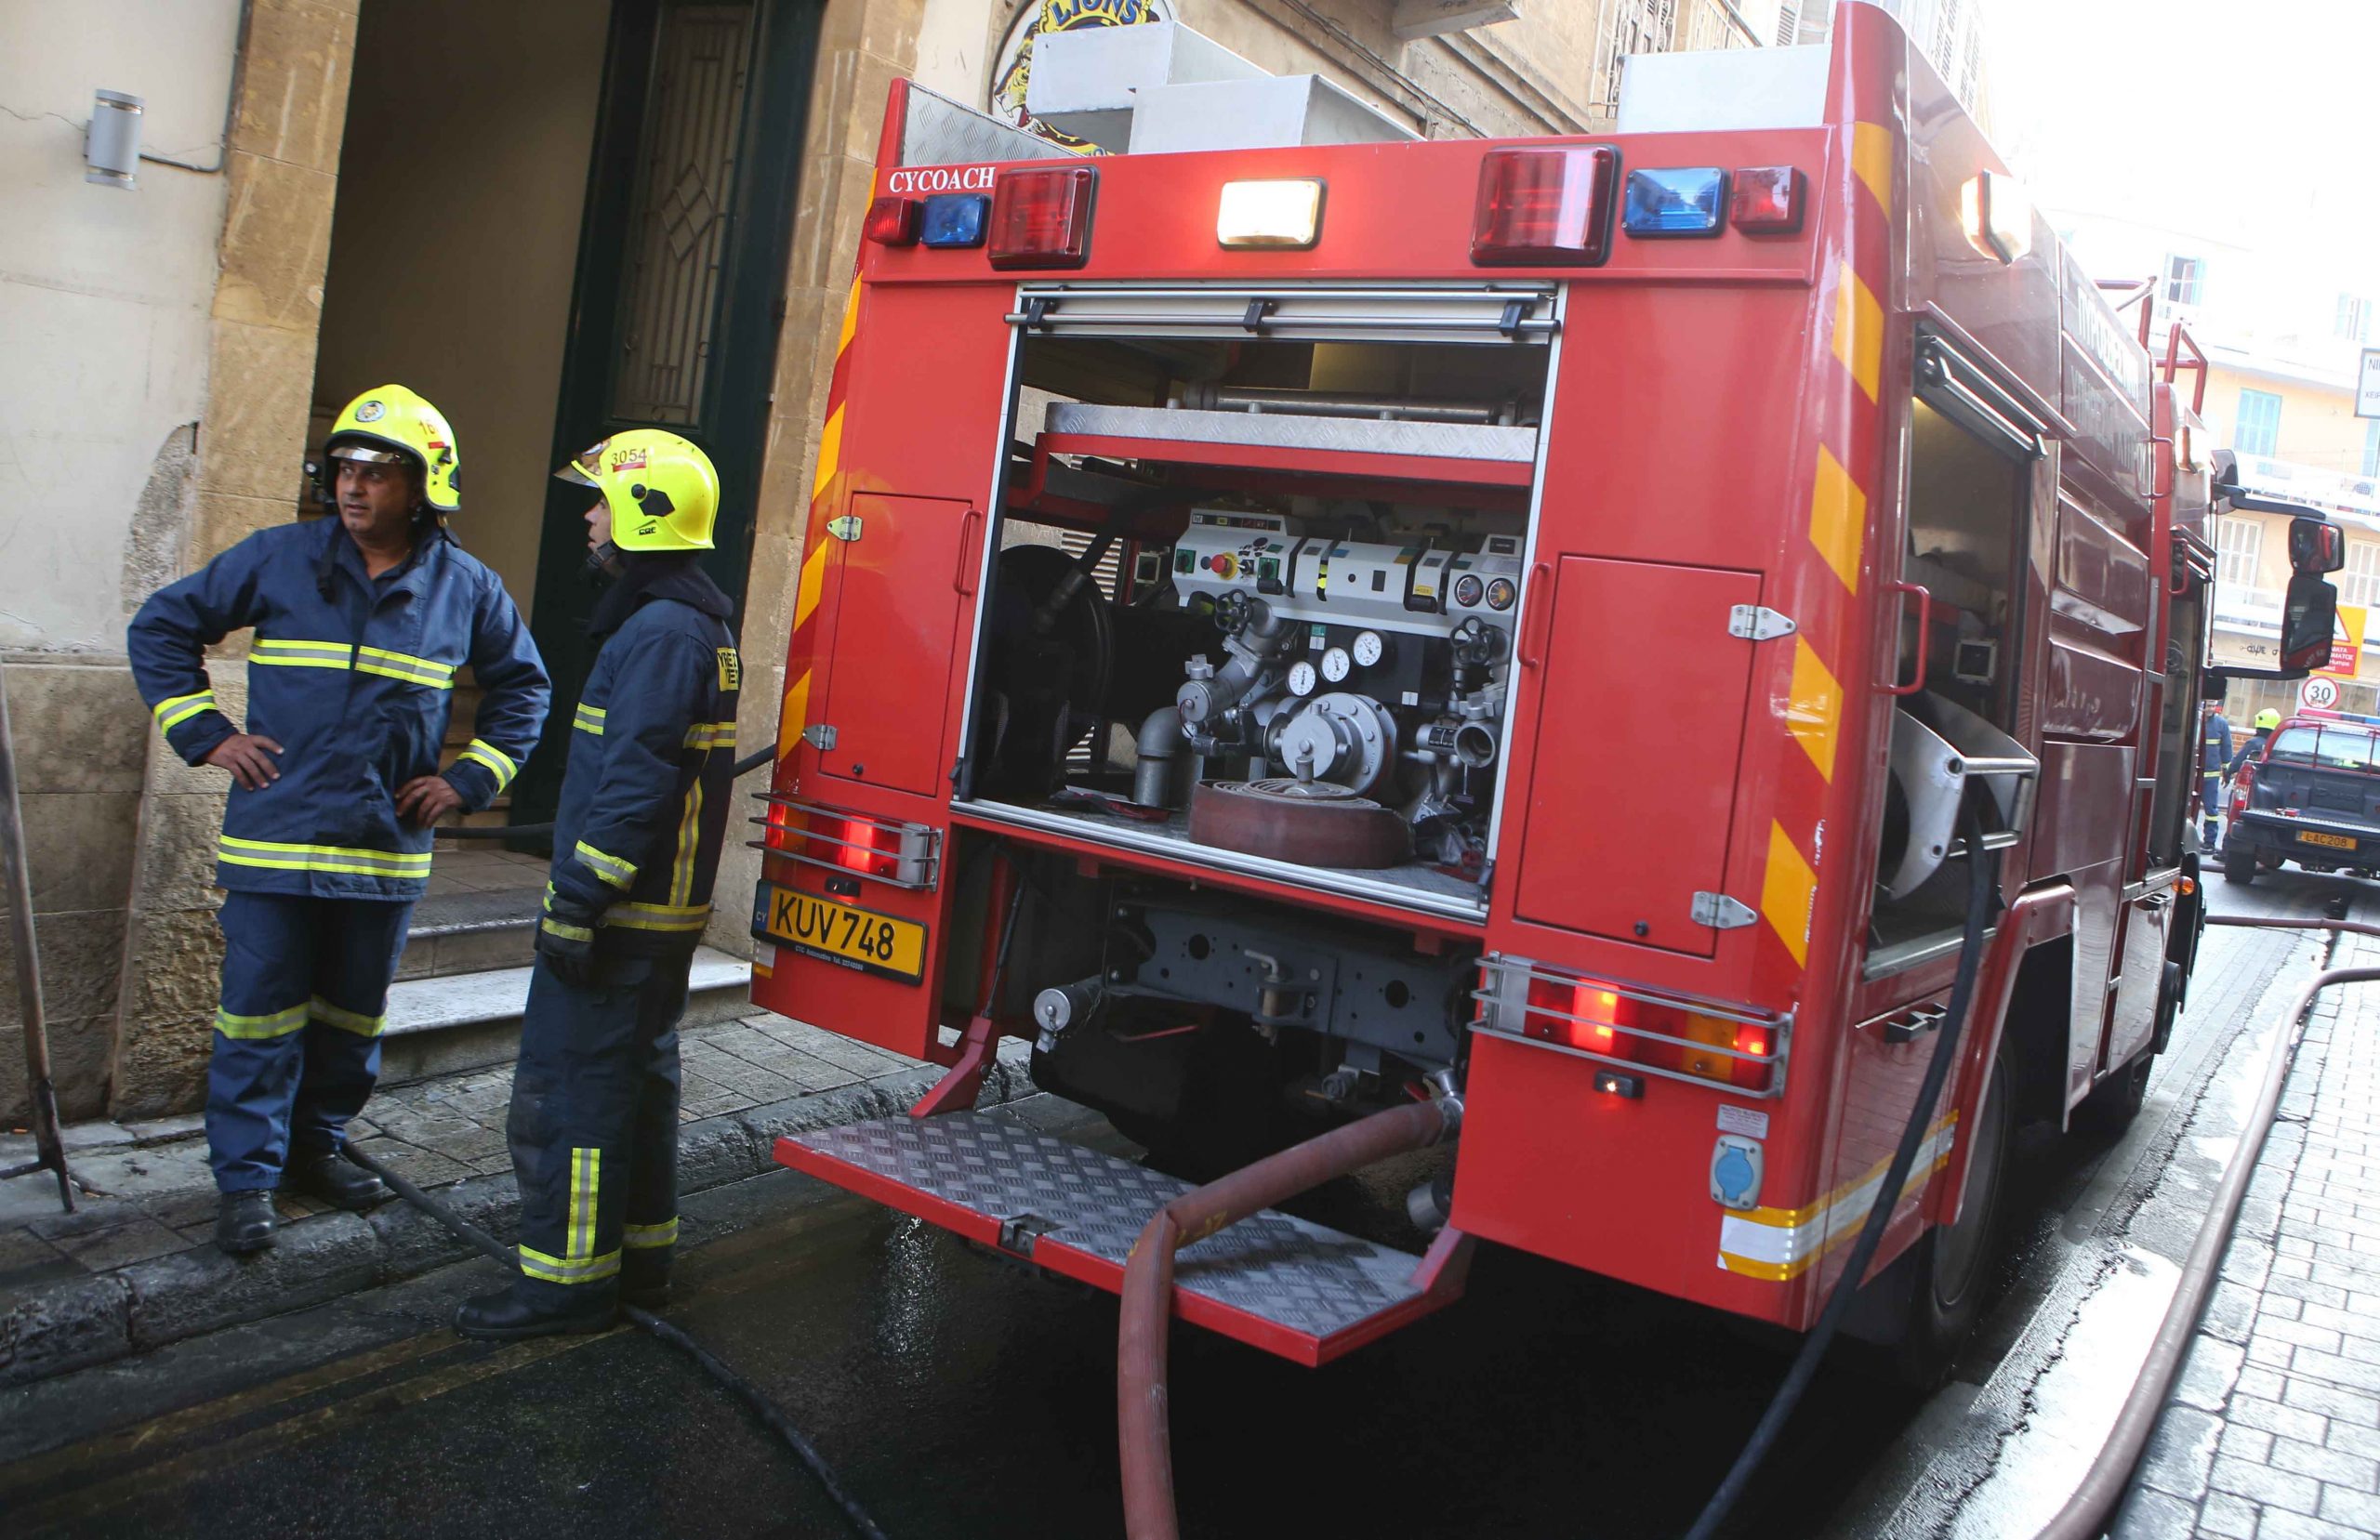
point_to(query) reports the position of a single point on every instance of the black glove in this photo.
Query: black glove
(568, 948)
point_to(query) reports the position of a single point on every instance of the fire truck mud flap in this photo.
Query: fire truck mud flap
(1300, 1290)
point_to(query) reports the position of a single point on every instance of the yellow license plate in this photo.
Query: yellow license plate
(2336, 842)
(839, 934)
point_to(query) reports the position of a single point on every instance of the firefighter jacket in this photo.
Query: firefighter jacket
(644, 796)
(355, 679)
(2247, 751)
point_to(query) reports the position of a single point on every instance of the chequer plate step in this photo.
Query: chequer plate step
(1274, 1281)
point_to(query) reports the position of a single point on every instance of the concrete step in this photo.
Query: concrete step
(453, 933)
(472, 1020)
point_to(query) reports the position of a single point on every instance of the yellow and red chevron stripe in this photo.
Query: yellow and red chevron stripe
(1847, 459)
(801, 648)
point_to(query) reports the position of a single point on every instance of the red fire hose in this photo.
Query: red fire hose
(2087, 1512)
(1143, 1430)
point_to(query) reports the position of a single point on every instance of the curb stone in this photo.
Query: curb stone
(70, 1325)
(137, 1308)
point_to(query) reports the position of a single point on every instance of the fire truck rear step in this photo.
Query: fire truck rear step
(1298, 1289)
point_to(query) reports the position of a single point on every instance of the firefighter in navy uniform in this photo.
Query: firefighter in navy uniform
(644, 809)
(360, 622)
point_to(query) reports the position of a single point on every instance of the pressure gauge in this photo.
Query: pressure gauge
(1301, 679)
(1368, 648)
(1335, 665)
(1467, 590)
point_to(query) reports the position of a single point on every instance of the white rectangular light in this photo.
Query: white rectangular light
(1283, 214)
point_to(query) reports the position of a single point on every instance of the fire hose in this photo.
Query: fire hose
(771, 1415)
(1144, 1435)
(2086, 1513)
(1983, 887)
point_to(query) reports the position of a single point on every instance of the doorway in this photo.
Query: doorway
(681, 281)
(563, 220)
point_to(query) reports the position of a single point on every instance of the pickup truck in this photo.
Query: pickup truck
(2312, 796)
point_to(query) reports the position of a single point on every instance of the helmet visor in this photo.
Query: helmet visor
(580, 471)
(350, 449)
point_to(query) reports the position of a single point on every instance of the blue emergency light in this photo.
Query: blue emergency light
(955, 219)
(1689, 202)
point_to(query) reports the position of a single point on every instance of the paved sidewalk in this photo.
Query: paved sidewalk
(136, 1268)
(2274, 1433)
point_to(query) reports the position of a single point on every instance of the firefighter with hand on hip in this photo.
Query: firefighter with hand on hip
(644, 810)
(360, 622)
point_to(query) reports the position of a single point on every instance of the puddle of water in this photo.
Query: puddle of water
(2073, 1405)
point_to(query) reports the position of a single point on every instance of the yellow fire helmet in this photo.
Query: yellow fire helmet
(388, 421)
(663, 491)
(2268, 719)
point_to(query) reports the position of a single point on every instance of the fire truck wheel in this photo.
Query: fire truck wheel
(1952, 1263)
(2115, 1102)
(2240, 867)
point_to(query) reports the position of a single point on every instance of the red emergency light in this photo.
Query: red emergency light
(892, 221)
(1041, 217)
(1766, 201)
(1544, 207)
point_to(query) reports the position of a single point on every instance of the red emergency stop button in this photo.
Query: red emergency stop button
(1222, 564)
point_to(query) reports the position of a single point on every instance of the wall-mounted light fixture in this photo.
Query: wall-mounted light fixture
(111, 149)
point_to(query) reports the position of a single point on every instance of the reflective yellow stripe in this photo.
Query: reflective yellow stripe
(610, 868)
(321, 858)
(710, 735)
(405, 666)
(346, 1020)
(301, 654)
(496, 761)
(281, 1023)
(1780, 1244)
(690, 830)
(588, 718)
(557, 1270)
(568, 932)
(586, 1180)
(289, 654)
(639, 1237)
(658, 916)
(182, 708)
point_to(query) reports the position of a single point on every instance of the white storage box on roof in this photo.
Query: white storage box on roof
(1267, 114)
(1723, 90)
(1084, 81)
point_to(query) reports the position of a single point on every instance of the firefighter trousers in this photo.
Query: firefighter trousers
(594, 1129)
(297, 1030)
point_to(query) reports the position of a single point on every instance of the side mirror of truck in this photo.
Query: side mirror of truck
(2316, 546)
(2308, 615)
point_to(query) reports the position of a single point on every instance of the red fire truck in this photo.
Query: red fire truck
(1550, 622)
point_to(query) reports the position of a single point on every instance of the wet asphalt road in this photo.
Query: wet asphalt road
(963, 1395)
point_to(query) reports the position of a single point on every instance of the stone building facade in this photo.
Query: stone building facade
(333, 204)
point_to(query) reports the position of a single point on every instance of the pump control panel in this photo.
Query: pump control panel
(1421, 589)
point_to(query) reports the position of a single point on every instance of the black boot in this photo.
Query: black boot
(244, 1223)
(333, 1179)
(507, 1316)
(644, 1283)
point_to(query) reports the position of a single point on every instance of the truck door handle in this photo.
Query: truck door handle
(963, 581)
(1906, 1027)
(1533, 626)
(1925, 638)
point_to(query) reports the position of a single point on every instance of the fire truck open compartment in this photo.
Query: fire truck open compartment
(1255, 576)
